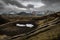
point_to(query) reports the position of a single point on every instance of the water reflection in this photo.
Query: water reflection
(25, 25)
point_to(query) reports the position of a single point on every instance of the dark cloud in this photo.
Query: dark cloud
(1, 6)
(31, 0)
(53, 5)
(13, 3)
(50, 1)
(30, 6)
(49, 4)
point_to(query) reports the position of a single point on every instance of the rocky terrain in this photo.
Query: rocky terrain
(45, 27)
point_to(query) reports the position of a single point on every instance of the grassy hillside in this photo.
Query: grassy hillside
(9, 25)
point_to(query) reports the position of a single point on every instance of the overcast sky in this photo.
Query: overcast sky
(53, 5)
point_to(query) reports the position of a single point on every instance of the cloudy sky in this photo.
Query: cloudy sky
(53, 5)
